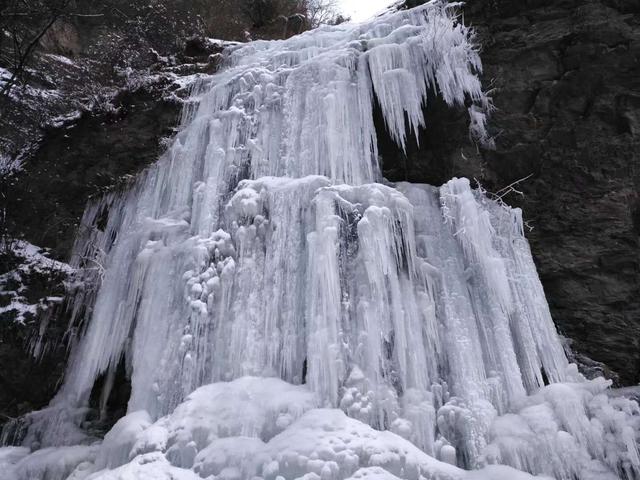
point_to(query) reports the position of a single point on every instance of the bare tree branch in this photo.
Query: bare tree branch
(26, 36)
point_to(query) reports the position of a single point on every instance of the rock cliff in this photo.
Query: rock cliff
(565, 77)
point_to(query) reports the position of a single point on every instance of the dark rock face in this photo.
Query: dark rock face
(566, 85)
(26, 383)
(567, 76)
(92, 154)
(46, 203)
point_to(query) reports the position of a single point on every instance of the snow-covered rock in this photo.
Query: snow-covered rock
(29, 261)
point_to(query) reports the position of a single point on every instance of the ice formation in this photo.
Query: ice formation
(283, 313)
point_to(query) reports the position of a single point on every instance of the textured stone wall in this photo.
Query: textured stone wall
(567, 80)
(565, 76)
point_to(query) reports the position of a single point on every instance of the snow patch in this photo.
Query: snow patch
(61, 59)
(14, 283)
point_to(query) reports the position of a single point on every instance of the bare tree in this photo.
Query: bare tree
(23, 23)
(315, 12)
(262, 13)
(321, 12)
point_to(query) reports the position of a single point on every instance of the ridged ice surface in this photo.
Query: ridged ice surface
(284, 313)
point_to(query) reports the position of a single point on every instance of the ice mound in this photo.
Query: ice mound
(54, 463)
(152, 466)
(569, 431)
(264, 428)
(251, 428)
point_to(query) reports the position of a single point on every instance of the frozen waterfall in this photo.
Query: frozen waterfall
(285, 313)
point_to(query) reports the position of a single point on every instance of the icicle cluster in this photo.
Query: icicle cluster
(259, 285)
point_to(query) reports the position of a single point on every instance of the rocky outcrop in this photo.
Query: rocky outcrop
(81, 160)
(565, 77)
(45, 203)
(567, 110)
(79, 154)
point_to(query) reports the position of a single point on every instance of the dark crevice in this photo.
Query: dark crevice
(109, 397)
(304, 372)
(430, 157)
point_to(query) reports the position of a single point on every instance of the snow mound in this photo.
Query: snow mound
(152, 466)
(55, 463)
(251, 428)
